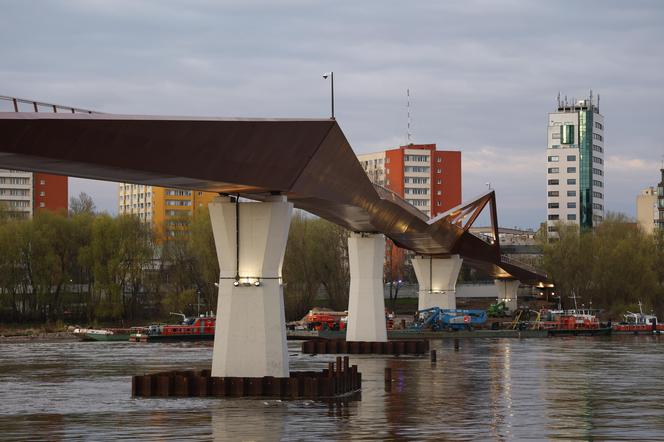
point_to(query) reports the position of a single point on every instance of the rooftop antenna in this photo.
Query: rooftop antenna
(565, 100)
(408, 134)
(597, 102)
(558, 98)
(591, 97)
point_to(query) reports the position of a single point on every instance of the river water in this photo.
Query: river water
(490, 389)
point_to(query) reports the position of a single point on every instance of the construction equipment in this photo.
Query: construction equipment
(497, 310)
(436, 319)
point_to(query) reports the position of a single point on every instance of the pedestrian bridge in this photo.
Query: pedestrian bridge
(308, 160)
(280, 164)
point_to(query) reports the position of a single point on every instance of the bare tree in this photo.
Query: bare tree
(83, 203)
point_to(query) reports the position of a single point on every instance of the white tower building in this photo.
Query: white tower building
(575, 165)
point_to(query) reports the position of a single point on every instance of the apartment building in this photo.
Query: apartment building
(167, 210)
(575, 165)
(425, 177)
(22, 194)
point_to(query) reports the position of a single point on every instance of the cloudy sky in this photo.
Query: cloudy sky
(482, 73)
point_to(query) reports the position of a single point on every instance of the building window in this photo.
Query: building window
(416, 191)
(598, 137)
(439, 192)
(571, 193)
(177, 192)
(554, 182)
(571, 170)
(554, 217)
(597, 172)
(567, 134)
(553, 193)
(598, 160)
(597, 183)
(597, 206)
(418, 169)
(571, 205)
(552, 229)
(571, 217)
(42, 204)
(554, 206)
(438, 203)
(599, 125)
(439, 181)
(439, 170)
(553, 158)
(178, 203)
(571, 181)
(571, 157)
(417, 158)
(597, 148)
(42, 182)
(42, 193)
(439, 160)
(553, 170)
(416, 180)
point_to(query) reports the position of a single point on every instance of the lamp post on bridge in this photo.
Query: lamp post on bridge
(331, 75)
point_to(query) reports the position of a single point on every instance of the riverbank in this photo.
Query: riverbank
(35, 335)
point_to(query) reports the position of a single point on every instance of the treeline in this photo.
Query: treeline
(612, 267)
(86, 267)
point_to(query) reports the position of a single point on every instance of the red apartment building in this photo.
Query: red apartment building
(427, 178)
(50, 192)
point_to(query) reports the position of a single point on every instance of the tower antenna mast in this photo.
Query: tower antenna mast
(408, 134)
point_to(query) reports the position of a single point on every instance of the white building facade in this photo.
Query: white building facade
(16, 196)
(135, 199)
(575, 166)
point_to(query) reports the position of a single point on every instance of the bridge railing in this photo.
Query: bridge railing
(515, 262)
(14, 104)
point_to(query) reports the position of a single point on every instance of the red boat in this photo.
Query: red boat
(639, 323)
(191, 329)
(573, 322)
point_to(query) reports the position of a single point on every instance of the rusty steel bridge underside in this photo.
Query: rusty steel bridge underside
(308, 160)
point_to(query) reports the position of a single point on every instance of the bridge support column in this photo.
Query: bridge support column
(437, 279)
(250, 336)
(366, 301)
(507, 291)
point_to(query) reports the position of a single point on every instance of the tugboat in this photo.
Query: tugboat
(638, 323)
(199, 328)
(577, 322)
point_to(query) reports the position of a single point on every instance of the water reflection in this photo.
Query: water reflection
(571, 388)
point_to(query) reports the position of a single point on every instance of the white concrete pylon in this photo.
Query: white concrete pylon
(250, 335)
(507, 291)
(437, 279)
(366, 301)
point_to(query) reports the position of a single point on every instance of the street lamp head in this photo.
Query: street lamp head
(327, 74)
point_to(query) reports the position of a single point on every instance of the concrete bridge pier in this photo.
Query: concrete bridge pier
(437, 279)
(366, 302)
(250, 238)
(507, 291)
